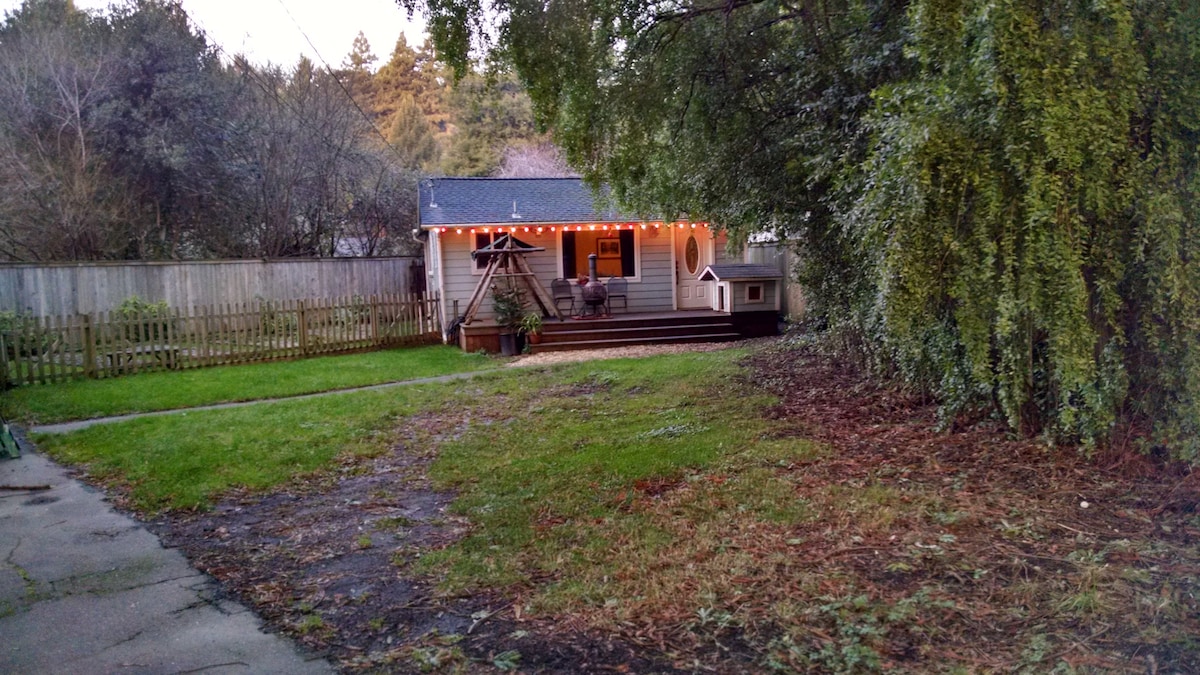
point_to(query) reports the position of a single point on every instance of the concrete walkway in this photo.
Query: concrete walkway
(67, 427)
(85, 590)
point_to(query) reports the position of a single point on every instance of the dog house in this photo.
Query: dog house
(751, 294)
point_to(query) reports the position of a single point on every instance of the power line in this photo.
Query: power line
(252, 73)
(342, 85)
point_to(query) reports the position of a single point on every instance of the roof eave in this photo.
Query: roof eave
(716, 278)
(535, 223)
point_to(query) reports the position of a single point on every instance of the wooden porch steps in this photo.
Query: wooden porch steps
(604, 344)
(634, 330)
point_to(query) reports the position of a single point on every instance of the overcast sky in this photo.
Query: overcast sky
(264, 31)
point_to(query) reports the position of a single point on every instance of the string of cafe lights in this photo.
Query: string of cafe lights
(594, 227)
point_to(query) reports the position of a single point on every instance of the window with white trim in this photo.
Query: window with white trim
(478, 241)
(616, 253)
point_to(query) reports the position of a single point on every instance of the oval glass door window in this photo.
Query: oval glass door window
(691, 254)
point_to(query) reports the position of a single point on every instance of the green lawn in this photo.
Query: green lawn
(656, 500)
(85, 399)
(582, 446)
(186, 460)
(659, 425)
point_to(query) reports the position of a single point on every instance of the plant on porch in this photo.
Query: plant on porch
(508, 302)
(531, 326)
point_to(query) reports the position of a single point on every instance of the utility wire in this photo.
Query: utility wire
(342, 85)
(252, 73)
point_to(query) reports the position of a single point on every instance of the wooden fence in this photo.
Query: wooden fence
(67, 289)
(109, 344)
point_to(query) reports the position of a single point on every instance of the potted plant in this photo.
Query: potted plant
(531, 326)
(509, 303)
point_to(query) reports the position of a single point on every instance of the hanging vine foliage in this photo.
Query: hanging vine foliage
(1031, 215)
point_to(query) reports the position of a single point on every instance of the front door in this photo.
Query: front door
(692, 253)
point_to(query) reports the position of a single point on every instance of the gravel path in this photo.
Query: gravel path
(632, 351)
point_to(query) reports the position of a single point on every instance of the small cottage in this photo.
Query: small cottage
(651, 268)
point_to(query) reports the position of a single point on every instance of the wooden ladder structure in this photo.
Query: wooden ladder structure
(508, 254)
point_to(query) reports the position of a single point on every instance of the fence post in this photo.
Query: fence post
(303, 328)
(4, 379)
(374, 320)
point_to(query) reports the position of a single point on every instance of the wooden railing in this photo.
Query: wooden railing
(110, 344)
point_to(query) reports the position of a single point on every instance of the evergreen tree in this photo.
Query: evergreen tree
(355, 73)
(409, 73)
(489, 113)
(412, 136)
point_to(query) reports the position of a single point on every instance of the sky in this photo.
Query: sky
(264, 31)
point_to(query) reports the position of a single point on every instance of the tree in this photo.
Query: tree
(409, 73)
(356, 73)
(489, 112)
(163, 122)
(384, 209)
(113, 133)
(533, 160)
(123, 136)
(1032, 215)
(995, 202)
(300, 139)
(411, 135)
(59, 202)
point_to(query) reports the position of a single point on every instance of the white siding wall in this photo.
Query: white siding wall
(738, 301)
(652, 292)
(656, 290)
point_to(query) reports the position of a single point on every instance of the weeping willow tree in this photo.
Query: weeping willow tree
(1031, 215)
(995, 201)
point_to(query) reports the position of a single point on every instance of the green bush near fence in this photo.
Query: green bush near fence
(145, 320)
(15, 323)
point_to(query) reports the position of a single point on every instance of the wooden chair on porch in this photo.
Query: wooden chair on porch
(618, 287)
(562, 291)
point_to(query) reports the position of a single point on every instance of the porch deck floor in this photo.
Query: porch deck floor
(618, 317)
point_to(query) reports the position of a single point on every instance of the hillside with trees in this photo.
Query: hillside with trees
(479, 123)
(127, 135)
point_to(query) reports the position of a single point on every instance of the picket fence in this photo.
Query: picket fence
(109, 344)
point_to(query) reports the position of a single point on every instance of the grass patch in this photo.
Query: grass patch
(85, 399)
(184, 461)
(563, 480)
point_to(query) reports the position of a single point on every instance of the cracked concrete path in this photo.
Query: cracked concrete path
(84, 589)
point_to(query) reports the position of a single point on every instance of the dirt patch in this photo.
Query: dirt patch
(629, 352)
(1023, 543)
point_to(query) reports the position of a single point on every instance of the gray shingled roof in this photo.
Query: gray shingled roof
(739, 272)
(489, 201)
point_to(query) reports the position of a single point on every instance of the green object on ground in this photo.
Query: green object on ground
(8, 445)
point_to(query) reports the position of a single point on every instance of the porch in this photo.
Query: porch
(621, 329)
